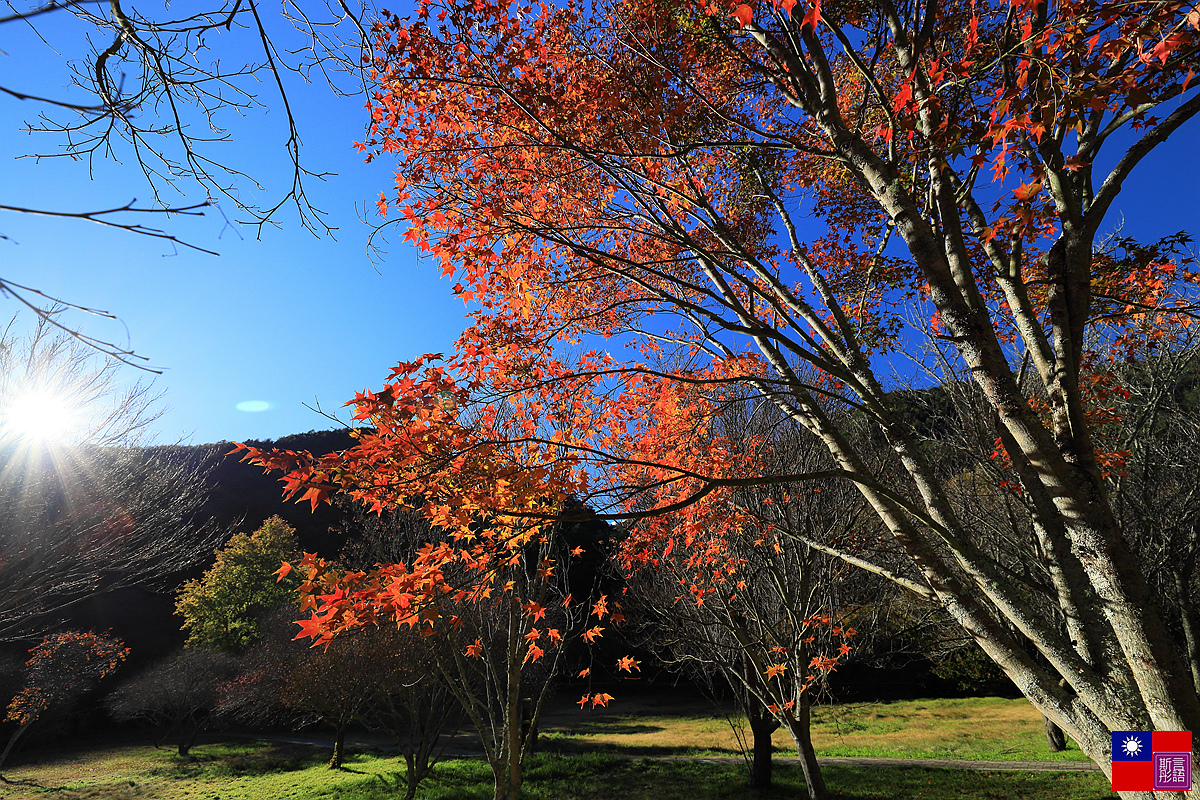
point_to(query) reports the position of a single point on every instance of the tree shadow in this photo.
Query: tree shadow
(278, 757)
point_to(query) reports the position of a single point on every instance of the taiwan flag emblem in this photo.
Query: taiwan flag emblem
(1151, 761)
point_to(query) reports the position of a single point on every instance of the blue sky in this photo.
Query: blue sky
(287, 320)
(290, 319)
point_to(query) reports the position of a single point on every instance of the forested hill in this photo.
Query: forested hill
(245, 495)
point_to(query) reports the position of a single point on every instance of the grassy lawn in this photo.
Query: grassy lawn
(987, 729)
(260, 771)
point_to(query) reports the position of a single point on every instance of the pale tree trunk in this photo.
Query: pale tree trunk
(506, 770)
(798, 726)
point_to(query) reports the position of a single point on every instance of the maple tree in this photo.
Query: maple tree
(496, 597)
(781, 199)
(61, 667)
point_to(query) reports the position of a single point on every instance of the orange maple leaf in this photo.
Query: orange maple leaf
(1027, 191)
(628, 664)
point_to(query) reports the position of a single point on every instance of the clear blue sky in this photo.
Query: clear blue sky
(289, 319)
(286, 320)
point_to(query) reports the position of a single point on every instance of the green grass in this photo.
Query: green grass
(984, 729)
(259, 771)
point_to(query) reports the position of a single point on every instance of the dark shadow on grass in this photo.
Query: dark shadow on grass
(270, 759)
(27, 782)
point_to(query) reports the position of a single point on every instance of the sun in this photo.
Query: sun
(38, 416)
(1131, 746)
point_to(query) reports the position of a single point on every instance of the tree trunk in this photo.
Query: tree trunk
(762, 725)
(335, 761)
(798, 724)
(13, 740)
(411, 778)
(512, 782)
(186, 740)
(1055, 738)
(506, 772)
(1187, 617)
(529, 732)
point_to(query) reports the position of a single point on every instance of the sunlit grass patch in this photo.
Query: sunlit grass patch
(988, 729)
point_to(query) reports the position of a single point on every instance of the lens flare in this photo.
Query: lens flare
(39, 416)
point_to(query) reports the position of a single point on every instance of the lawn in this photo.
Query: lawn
(262, 771)
(987, 729)
(598, 755)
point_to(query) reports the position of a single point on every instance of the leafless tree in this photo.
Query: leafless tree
(1157, 489)
(175, 696)
(156, 91)
(96, 513)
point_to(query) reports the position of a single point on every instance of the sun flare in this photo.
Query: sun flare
(39, 416)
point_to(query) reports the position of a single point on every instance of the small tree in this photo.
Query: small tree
(416, 706)
(63, 667)
(339, 683)
(176, 695)
(222, 608)
(496, 606)
(502, 675)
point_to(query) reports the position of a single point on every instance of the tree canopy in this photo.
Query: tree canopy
(656, 212)
(221, 609)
